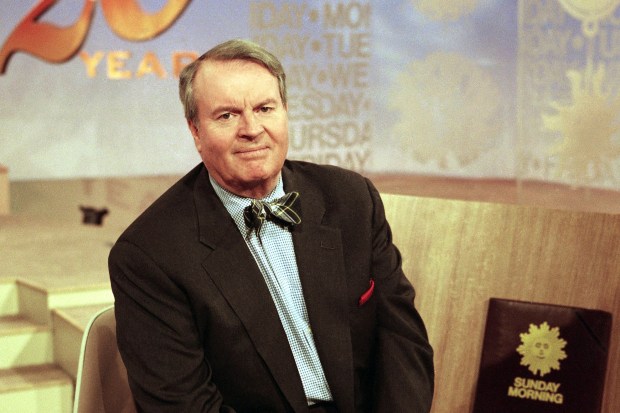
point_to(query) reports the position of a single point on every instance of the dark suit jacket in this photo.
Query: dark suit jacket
(199, 332)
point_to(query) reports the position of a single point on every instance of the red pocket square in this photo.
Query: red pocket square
(367, 294)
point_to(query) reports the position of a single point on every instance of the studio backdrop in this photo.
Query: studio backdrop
(525, 89)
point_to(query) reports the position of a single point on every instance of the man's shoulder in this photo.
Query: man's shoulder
(336, 188)
(325, 175)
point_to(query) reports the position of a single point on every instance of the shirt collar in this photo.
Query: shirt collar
(235, 204)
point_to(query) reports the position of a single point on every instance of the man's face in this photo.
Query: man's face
(242, 128)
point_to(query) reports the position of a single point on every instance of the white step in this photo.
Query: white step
(24, 343)
(36, 389)
(9, 304)
(68, 325)
(36, 302)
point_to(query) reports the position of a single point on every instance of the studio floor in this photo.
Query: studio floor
(43, 239)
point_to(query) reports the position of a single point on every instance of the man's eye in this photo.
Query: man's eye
(266, 109)
(225, 116)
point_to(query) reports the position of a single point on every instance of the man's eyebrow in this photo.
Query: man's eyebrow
(235, 109)
(225, 109)
(267, 101)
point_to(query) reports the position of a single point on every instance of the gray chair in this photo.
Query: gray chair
(101, 384)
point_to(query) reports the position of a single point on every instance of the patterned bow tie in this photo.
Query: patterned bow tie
(279, 211)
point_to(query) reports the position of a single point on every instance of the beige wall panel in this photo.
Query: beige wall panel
(459, 254)
(5, 195)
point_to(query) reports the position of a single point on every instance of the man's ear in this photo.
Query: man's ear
(194, 130)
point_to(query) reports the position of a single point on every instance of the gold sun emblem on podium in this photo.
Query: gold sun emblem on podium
(542, 349)
(588, 128)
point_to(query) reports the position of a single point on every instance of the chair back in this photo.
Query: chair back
(101, 384)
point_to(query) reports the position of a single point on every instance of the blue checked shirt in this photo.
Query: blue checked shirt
(275, 257)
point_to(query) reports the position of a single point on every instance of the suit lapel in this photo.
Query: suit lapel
(233, 269)
(323, 277)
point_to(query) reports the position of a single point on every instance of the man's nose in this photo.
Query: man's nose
(250, 127)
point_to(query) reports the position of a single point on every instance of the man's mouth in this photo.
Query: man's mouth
(252, 152)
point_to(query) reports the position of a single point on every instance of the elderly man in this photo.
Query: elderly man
(258, 284)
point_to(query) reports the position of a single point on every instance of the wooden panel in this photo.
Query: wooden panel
(458, 254)
(503, 190)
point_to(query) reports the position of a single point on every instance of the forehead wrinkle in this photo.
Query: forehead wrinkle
(238, 104)
(233, 108)
(248, 95)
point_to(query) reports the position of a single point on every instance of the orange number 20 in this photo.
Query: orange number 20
(58, 44)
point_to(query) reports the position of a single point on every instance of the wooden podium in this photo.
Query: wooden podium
(460, 254)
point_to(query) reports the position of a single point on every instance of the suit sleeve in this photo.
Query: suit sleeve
(157, 337)
(404, 379)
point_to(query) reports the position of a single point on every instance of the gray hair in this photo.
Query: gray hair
(236, 49)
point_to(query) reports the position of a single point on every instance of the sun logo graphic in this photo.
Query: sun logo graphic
(542, 349)
(452, 105)
(590, 12)
(587, 128)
